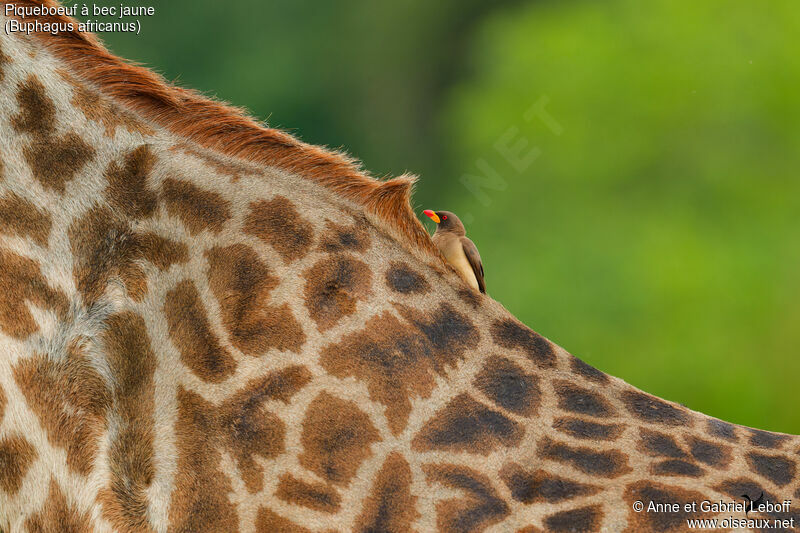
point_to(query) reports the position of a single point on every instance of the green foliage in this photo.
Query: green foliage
(655, 234)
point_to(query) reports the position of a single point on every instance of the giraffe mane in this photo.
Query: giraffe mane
(231, 131)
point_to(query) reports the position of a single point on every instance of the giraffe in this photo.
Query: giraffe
(207, 325)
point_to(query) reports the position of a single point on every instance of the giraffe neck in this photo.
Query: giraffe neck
(195, 341)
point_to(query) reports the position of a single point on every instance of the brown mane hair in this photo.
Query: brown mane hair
(230, 131)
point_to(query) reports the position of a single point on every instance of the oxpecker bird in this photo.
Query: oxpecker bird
(451, 239)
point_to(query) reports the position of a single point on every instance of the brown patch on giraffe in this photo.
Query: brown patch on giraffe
(649, 491)
(4, 60)
(57, 515)
(529, 529)
(710, 453)
(391, 506)
(606, 464)
(199, 506)
(317, 496)
(480, 506)
(2, 403)
(343, 238)
(248, 430)
(21, 217)
(232, 169)
(105, 247)
(541, 486)
(337, 437)
(190, 332)
(37, 113)
(767, 439)
(16, 457)
(778, 469)
(127, 190)
(586, 370)
(720, 429)
(655, 410)
(657, 444)
(511, 334)
(268, 521)
(54, 161)
(403, 279)
(21, 282)
(71, 402)
(277, 223)
(103, 111)
(584, 429)
(397, 360)
(582, 401)
(333, 287)
(735, 488)
(508, 386)
(676, 467)
(581, 520)
(466, 425)
(241, 282)
(132, 364)
(197, 208)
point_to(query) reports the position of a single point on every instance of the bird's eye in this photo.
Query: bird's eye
(444, 217)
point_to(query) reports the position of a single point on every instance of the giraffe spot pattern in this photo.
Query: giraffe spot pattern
(658, 444)
(508, 386)
(607, 464)
(4, 60)
(587, 371)
(584, 519)
(197, 209)
(127, 190)
(22, 218)
(403, 279)
(248, 430)
(778, 469)
(317, 496)
(71, 401)
(720, 429)
(579, 400)
(53, 160)
(469, 297)
(132, 364)
(102, 110)
(199, 506)
(513, 335)
(343, 238)
(584, 429)
(277, 223)
(397, 360)
(105, 247)
(480, 506)
(466, 425)
(267, 521)
(390, 506)
(190, 332)
(241, 283)
(767, 439)
(541, 486)
(57, 514)
(332, 288)
(735, 488)
(710, 453)
(654, 410)
(16, 457)
(336, 438)
(667, 521)
(21, 281)
(676, 467)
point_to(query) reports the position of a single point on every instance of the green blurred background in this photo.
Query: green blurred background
(628, 169)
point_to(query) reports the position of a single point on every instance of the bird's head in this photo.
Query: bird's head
(446, 221)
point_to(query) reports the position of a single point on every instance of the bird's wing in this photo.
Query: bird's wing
(474, 258)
